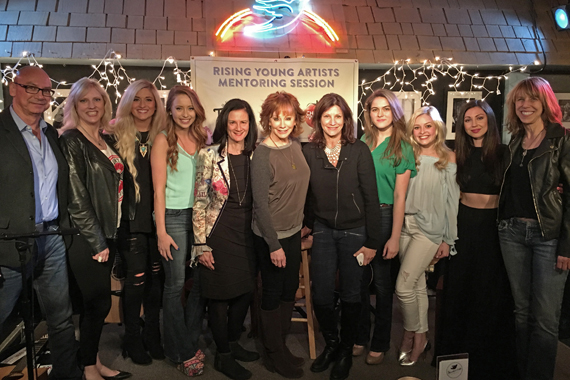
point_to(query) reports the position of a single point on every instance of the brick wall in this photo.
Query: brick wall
(373, 31)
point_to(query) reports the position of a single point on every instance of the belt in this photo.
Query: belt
(43, 226)
(384, 205)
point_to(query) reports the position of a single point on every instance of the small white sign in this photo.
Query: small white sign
(453, 367)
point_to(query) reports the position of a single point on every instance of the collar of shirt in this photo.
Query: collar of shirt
(21, 124)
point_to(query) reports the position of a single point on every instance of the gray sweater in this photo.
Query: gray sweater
(279, 191)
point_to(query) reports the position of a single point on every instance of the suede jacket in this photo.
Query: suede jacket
(345, 196)
(93, 189)
(210, 195)
(549, 167)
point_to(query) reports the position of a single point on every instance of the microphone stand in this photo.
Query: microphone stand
(22, 247)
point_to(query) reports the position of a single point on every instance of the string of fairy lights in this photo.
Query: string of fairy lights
(403, 77)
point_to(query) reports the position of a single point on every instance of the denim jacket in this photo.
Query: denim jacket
(210, 195)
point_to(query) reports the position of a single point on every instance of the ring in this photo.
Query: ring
(99, 259)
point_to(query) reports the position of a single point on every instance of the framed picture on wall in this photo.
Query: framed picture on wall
(564, 101)
(410, 101)
(54, 114)
(455, 99)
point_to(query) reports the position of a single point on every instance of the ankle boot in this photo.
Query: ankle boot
(133, 348)
(241, 354)
(327, 320)
(226, 364)
(286, 314)
(152, 341)
(275, 360)
(349, 318)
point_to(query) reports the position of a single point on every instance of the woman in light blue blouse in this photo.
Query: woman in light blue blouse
(430, 226)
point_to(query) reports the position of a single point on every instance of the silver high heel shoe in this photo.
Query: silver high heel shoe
(403, 355)
(406, 362)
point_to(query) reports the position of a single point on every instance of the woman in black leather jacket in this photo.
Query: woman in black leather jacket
(343, 213)
(534, 223)
(96, 193)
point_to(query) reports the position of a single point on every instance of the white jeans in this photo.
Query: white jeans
(416, 252)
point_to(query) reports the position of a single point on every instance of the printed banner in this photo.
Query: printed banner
(217, 80)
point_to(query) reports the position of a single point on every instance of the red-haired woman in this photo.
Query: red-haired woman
(173, 161)
(534, 225)
(279, 181)
(344, 215)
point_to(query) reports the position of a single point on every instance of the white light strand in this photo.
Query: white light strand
(420, 80)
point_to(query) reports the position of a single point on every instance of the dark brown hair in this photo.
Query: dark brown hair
(326, 102)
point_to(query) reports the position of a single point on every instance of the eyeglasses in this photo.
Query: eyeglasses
(34, 90)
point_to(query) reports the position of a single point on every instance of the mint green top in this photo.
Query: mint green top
(179, 191)
(386, 171)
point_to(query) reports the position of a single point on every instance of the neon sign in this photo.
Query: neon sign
(271, 18)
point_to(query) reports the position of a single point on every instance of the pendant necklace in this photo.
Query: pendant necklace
(240, 198)
(291, 161)
(143, 146)
(531, 144)
(100, 144)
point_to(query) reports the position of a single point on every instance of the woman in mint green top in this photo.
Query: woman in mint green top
(173, 175)
(394, 164)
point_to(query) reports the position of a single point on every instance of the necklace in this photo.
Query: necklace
(240, 198)
(99, 143)
(333, 153)
(529, 145)
(143, 146)
(291, 161)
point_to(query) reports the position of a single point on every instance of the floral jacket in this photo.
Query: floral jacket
(210, 195)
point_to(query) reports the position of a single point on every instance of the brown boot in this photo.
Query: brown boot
(286, 314)
(275, 359)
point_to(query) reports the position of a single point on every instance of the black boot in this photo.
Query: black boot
(286, 314)
(226, 364)
(241, 354)
(275, 360)
(327, 320)
(349, 318)
(133, 348)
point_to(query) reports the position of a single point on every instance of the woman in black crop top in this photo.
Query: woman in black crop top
(477, 315)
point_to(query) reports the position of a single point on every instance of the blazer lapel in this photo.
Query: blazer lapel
(14, 135)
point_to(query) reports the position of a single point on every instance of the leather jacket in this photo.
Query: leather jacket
(93, 189)
(549, 167)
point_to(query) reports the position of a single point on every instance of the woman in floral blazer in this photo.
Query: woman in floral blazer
(223, 239)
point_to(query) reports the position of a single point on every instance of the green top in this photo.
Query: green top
(386, 172)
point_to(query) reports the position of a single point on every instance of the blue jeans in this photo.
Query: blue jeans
(384, 280)
(537, 288)
(52, 289)
(182, 325)
(333, 250)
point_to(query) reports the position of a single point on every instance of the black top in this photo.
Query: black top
(345, 196)
(519, 202)
(479, 181)
(143, 215)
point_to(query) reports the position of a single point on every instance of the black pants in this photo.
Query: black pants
(143, 285)
(279, 284)
(226, 319)
(94, 281)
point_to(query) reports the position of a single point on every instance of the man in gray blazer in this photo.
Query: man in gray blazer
(33, 197)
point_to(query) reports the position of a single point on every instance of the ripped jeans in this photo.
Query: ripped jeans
(416, 252)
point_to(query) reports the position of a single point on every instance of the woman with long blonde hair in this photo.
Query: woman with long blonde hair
(96, 195)
(173, 160)
(140, 116)
(430, 226)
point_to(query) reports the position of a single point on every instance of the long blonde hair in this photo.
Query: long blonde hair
(125, 130)
(196, 129)
(78, 91)
(441, 149)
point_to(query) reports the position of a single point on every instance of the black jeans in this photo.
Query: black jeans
(143, 285)
(94, 281)
(279, 284)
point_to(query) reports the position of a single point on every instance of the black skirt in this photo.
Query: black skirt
(477, 313)
(232, 240)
